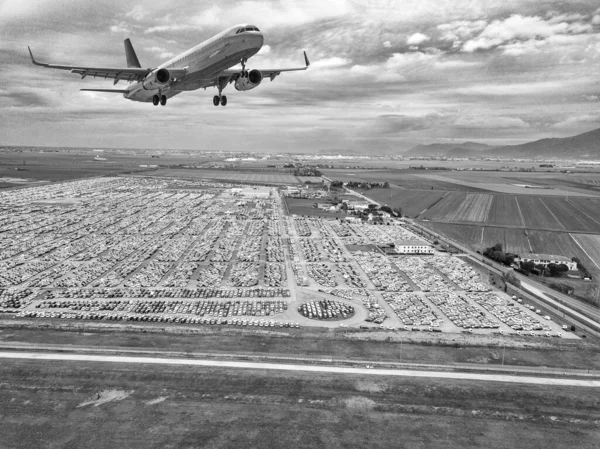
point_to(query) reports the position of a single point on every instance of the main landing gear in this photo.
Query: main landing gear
(220, 99)
(162, 99)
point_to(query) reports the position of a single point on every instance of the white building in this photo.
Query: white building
(413, 247)
(546, 259)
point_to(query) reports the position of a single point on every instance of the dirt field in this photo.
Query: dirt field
(105, 406)
(230, 176)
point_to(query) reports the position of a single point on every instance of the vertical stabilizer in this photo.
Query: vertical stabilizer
(132, 60)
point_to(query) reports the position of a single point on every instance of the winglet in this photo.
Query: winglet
(306, 61)
(32, 58)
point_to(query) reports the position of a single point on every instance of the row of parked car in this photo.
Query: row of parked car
(326, 310)
(156, 318)
(459, 272)
(202, 308)
(461, 312)
(412, 310)
(322, 274)
(382, 273)
(509, 312)
(275, 274)
(422, 274)
(134, 293)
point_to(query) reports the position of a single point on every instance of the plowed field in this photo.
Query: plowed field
(504, 211)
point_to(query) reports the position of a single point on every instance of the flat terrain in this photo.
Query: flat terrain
(249, 177)
(98, 405)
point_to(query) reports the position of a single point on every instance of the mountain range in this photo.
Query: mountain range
(585, 146)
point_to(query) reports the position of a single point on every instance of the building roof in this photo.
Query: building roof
(412, 242)
(547, 257)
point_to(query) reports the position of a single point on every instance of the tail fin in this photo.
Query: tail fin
(132, 59)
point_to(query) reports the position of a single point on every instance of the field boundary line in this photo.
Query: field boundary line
(583, 249)
(520, 213)
(551, 213)
(584, 213)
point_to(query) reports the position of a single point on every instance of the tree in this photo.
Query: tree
(398, 211)
(528, 266)
(386, 185)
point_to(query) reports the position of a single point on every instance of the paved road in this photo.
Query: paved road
(298, 367)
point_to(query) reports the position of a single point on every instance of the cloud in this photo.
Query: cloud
(160, 52)
(518, 27)
(490, 122)
(387, 44)
(417, 39)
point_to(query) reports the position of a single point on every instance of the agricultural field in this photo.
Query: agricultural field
(469, 235)
(513, 240)
(310, 179)
(504, 211)
(590, 244)
(302, 206)
(230, 176)
(536, 213)
(412, 202)
(474, 208)
(446, 206)
(571, 217)
(589, 207)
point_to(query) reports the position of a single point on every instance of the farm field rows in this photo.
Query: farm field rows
(474, 208)
(591, 245)
(469, 235)
(536, 213)
(513, 240)
(504, 211)
(589, 207)
(447, 205)
(570, 216)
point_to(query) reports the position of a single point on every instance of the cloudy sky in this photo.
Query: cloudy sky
(385, 74)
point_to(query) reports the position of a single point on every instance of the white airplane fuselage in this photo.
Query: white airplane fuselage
(202, 63)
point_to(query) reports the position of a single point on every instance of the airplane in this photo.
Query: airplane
(206, 65)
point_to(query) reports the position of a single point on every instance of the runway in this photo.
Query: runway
(299, 367)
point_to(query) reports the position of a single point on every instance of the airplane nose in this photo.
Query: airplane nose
(258, 40)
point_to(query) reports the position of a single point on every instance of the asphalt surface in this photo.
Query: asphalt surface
(299, 367)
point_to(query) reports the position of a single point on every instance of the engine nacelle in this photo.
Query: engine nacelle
(156, 79)
(250, 81)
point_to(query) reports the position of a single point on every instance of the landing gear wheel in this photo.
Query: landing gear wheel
(216, 100)
(155, 100)
(223, 100)
(163, 100)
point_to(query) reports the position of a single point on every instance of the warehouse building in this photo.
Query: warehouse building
(414, 246)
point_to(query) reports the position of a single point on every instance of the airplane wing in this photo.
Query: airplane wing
(271, 73)
(117, 74)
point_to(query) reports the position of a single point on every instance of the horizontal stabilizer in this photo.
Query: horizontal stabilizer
(114, 91)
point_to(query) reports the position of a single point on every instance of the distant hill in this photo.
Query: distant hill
(586, 145)
(465, 149)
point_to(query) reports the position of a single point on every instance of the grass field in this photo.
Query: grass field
(301, 206)
(571, 216)
(588, 207)
(107, 406)
(469, 235)
(412, 202)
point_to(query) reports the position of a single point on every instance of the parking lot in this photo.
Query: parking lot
(151, 249)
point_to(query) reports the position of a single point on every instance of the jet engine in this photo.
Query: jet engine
(252, 79)
(156, 79)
